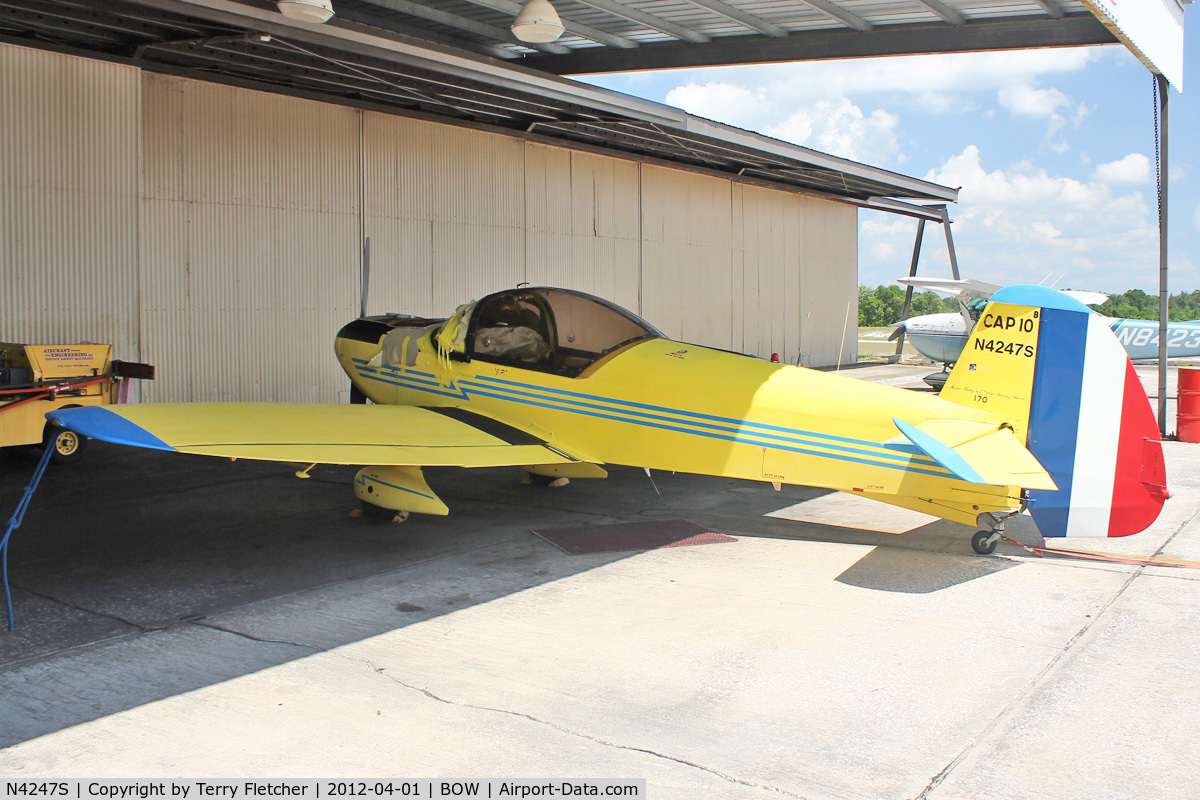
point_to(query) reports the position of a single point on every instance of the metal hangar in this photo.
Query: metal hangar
(195, 180)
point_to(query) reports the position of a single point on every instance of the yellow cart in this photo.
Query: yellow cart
(36, 378)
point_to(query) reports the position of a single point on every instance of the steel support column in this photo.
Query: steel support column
(1163, 182)
(908, 290)
(950, 243)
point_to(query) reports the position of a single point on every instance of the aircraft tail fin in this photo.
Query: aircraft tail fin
(1056, 373)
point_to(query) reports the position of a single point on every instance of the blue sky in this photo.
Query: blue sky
(1053, 149)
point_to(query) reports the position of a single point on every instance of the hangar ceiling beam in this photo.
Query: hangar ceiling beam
(462, 23)
(1051, 8)
(945, 12)
(841, 14)
(303, 67)
(401, 49)
(99, 24)
(579, 29)
(741, 17)
(405, 26)
(889, 40)
(365, 82)
(649, 20)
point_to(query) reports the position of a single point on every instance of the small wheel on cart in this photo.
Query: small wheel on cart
(66, 447)
(981, 545)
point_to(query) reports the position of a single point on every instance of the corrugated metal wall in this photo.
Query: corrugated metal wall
(583, 223)
(68, 200)
(249, 248)
(687, 255)
(769, 251)
(217, 232)
(828, 277)
(445, 203)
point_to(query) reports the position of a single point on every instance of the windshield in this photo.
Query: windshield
(554, 330)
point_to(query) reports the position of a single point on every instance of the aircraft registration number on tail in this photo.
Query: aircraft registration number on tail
(999, 361)
(1007, 348)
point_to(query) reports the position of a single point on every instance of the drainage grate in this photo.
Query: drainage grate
(622, 536)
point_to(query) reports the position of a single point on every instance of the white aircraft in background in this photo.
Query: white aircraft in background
(941, 337)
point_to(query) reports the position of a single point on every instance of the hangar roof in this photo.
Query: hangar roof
(253, 45)
(457, 60)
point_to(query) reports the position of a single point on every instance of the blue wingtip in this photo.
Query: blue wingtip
(1027, 294)
(942, 453)
(100, 423)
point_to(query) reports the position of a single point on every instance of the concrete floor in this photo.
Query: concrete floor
(184, 616)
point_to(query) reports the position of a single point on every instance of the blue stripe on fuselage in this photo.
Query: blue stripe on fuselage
(740, 431)
(502, 389)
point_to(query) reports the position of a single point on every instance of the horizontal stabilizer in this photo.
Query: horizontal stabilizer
(978, 452)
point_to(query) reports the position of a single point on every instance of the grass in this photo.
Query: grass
(873, 343)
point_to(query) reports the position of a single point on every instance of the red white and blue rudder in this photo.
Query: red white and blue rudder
(1090, 423)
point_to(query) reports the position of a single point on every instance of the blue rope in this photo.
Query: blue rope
(18, 517)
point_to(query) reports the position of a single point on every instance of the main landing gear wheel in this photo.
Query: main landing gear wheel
(983, 543)
(372, 511)
(545, 480)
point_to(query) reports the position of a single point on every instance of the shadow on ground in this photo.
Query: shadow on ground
(207, 570)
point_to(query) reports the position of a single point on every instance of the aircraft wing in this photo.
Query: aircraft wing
(1087, 298)
(376, 435)
(965, 288)
(970, 289)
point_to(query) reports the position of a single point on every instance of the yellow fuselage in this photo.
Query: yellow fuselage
(672, 406)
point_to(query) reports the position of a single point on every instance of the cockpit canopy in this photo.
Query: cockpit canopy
(552, 330)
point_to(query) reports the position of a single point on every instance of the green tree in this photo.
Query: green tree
(870, 311)
(883, 305)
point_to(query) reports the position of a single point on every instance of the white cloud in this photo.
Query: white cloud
(789, 100)
(931, 79)
(1184, 272)
(841, 128)
(943, 103)
(1024, 100)
(1018, 224)
(835, 126)
(1132, 169)
(722, 101)
(883, 251)
(1044, 231)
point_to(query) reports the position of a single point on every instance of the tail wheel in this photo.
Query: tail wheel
(983, 543)
(66, 446)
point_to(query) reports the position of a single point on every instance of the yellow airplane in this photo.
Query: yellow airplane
(1042, 411)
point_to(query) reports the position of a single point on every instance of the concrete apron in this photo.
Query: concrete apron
(809, 659)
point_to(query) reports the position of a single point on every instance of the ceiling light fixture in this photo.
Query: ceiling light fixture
(538, 22)
(306, 10)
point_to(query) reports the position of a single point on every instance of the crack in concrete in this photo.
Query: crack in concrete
(1020, 696)
(91, 611)
(568, 731)
(214, 626)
